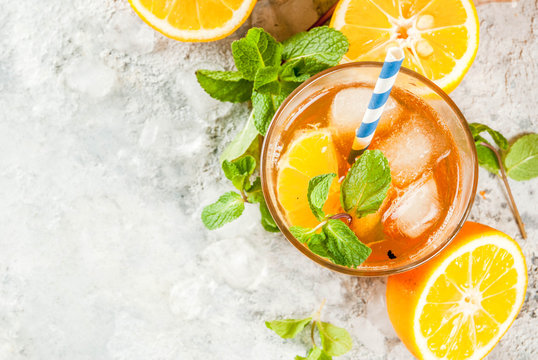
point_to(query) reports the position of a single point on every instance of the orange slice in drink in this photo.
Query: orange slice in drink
(439, 37)
(194, 20)
(310, 154)
(459, 304)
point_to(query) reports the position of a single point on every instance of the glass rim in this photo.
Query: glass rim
(358, 271)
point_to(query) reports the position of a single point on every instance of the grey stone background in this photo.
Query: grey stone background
(108, 152)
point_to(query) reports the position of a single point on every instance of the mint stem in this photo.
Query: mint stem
(315, 318)
(508, 191)
(345, 216)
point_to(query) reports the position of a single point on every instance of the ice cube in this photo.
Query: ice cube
(409, 150)
(128, 33)
(369, 336)
(349, 105)
(376, 310)
(415, 211)
(236, 261)
(90, 76)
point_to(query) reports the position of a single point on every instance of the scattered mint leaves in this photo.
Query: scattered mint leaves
(238, 171)
(231, 205)
(486, 156)
(264, 108)
(315, 353)
(225, 85)
(315, 50)
(487, 159)
(343, 245)
(266, 80)
(498, 138)
(335, 341)
(521, 160)
(268, 222)
(318, 192)
(267, 72)
(255, 51)
(227, 208)
(288, 328)
(366, 184)
(242, 141)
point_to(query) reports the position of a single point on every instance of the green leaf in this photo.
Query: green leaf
(477, 129)
(288, 328)
(301, 233)
(266, 80)
(270, 50)
(225, 85)
(227, 208)
(295, 71)
(366, 184)
(318, 192)
(254, 191)
(268, 222)
(315, 354)
(256, 50)
(335, 340)
(315, 50)
(241, 143)
(521, 161)
(239, 171)
(318, 245)
(343, 245)
(487, 159)
(264, 108)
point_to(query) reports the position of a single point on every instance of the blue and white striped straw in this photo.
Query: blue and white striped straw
(365, 132)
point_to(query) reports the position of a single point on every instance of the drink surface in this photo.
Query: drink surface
(422, 155)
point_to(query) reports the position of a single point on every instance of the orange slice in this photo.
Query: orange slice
(439, 37)
(459, 304)
(310, 154)
(194, 20)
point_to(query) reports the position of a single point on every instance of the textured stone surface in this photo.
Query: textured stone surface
(108, 153)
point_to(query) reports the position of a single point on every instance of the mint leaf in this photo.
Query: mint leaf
(266, 80)
(315, 50)
(264, 108)
(225, 85)
(335, 340)
(268, 222)
(295, 71)
(256, 50)
(487, 158)
(254, 191)
(269, 49)
(241, 143)
(227, 208)
(239, 171)
(477, 129)
(301, 233)
(521, 161)
(318, 245)
(288, 328)
(366, 184)
(315, 354)
(318, 192)
(343, 245)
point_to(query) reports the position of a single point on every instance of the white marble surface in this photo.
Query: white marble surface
(108, 152)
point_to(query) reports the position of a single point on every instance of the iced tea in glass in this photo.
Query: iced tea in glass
(422, 134)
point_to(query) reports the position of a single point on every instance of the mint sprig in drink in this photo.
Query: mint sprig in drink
(431, 181)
